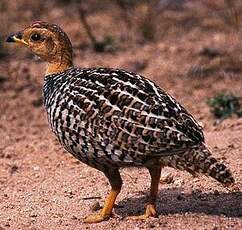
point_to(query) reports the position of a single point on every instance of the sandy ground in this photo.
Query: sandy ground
(43, 187)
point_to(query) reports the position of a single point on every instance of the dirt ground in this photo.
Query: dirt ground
(44, 187)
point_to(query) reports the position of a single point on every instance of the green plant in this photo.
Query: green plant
(224, 105)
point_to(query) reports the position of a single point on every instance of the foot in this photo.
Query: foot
(149, 212)
(96, 218)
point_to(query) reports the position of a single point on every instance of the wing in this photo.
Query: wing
(130, 113)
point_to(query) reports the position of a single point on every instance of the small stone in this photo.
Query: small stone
(69, 193)
(33, 215)
(13, 169)
(167, 179)
(74, 218)
(231, 146)
(5, 195)
(95, 206)
(151, 225)
(8, 156)
(7, 225)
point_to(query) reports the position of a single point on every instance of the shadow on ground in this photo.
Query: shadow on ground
(173, 201)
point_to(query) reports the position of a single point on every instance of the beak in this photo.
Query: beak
(17, 38)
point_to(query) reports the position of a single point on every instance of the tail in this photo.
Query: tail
(199, 160)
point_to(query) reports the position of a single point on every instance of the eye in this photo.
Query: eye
(35, 37)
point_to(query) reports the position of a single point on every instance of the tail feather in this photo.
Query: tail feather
(200, 160)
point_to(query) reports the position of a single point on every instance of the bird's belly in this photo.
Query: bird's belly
(82, 146)
(77, 138)
(76, 134)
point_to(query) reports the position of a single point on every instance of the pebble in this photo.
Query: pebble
(167, 179)
(95, 206)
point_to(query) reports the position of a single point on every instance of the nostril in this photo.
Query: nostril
(19, 35)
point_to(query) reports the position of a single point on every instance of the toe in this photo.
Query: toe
(95, 218)
(149, 212)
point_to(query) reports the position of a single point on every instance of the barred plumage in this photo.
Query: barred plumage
(112, 118)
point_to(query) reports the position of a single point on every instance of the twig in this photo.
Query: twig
(82, 14)
(91, 198)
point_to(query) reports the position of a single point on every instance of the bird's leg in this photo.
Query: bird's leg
(155, 180)
(116, 184)
(150, 211)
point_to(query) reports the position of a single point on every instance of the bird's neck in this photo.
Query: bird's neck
(58, 67)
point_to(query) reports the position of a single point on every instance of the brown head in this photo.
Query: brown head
(49, 42)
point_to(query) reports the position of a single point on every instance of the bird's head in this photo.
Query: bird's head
(49, 42)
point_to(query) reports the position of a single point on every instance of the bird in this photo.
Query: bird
(111, 119)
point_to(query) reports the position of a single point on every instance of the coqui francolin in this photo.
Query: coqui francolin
(111, 118)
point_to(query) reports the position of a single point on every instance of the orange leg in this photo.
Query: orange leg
(150, 211)
(116, 184)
